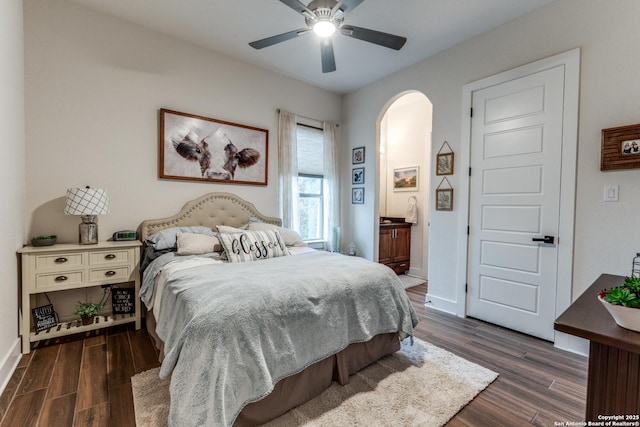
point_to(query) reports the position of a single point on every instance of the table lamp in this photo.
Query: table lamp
(87, 202)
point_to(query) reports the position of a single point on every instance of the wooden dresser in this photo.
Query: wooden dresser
(614, 355)
(395, 246)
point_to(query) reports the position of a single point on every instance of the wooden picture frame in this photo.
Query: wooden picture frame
(357, 196)
(444, 164)
(357, 176)
(444, 199)
(620, 148)
(406, 179)
(357, 155)
(197, 148)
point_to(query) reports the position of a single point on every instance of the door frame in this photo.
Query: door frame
(571, 62)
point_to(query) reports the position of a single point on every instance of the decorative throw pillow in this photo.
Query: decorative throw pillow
(166, 239)
(196, 244)
(252, 245)
(227, 229)
(290, 237)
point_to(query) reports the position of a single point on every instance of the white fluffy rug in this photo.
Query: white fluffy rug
(421, 385)
(410, 281)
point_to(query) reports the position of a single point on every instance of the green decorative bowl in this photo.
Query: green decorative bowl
(44, 240)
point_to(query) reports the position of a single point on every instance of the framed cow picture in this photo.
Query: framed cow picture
(197, 148)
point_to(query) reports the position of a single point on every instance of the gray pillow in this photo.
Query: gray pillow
(166, 239)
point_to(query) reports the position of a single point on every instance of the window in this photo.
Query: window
(310, 143)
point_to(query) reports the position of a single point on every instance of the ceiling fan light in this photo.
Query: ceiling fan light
(324, 28)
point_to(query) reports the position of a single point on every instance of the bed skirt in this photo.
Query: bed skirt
(309, 383)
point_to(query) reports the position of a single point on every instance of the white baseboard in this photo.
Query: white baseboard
(441, 304)
(571, 344)
(9, 363)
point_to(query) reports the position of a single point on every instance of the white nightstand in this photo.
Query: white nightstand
(71, 266)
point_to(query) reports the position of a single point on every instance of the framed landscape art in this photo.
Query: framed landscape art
(405, 179)
(197, 148)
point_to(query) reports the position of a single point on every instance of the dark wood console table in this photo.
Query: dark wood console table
(613, 385)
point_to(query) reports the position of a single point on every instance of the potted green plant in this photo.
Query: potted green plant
(88, 310)
(623, 303)
(44, 240)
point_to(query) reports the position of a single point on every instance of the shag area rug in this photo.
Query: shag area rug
(410, 281)
(420, 385)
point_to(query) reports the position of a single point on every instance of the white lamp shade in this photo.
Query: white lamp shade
(86, 201)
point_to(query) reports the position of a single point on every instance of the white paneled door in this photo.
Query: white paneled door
(514, 206)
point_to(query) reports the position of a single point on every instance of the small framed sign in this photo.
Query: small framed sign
(44, 317)
(123, 300)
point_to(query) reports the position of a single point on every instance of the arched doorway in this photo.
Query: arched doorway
(404, 143)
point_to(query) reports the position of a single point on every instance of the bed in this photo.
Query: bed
(244, 342)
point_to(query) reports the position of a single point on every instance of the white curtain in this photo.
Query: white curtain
(330, 191)
(288, 167)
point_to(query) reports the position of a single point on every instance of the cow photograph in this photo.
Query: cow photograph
(204, 149)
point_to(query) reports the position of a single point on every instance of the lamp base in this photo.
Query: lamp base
(88, 230)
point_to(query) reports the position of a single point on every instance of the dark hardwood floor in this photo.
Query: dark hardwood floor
(85, 380)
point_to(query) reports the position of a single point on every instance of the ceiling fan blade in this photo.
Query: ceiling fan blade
(347, 5)
(270, 41)
(377, 37)
(326, 53)
(299, 7)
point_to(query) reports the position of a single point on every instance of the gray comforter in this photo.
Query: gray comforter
(233, 330)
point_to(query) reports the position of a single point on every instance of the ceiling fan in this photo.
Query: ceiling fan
(324, 17)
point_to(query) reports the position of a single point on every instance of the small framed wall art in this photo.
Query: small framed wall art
(357, 155)
(357, 176)
(405, 179)
(620, 148)
(357, 196)
(444, 161)
(444, 196)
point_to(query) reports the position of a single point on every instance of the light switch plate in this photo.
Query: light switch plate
(610, 193)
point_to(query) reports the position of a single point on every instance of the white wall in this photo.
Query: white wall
(608, 33)
(12, 179)
(94, 85)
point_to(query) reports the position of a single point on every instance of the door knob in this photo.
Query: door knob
(546, 239)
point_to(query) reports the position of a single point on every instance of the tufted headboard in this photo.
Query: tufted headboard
(210, 210)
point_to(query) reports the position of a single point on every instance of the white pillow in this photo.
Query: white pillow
(196, 244)
(227, 229)
(290, 237)
(252, 245)
(166, 239)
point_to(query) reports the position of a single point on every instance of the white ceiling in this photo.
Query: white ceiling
(227, 26)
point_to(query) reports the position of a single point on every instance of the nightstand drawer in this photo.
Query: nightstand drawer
(111, 257)
(110, 275)
(59, 280)
(58, 262)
